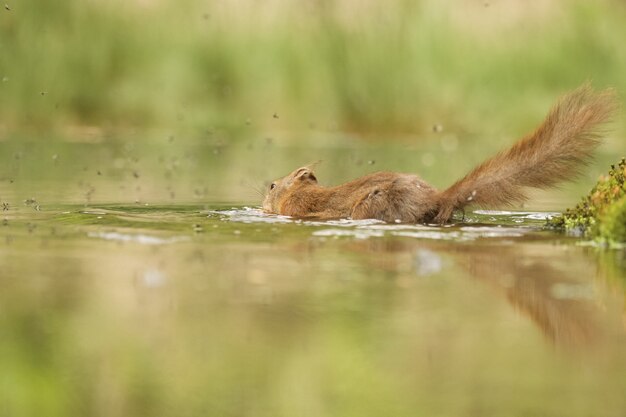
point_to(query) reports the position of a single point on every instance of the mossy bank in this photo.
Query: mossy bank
(601, 214)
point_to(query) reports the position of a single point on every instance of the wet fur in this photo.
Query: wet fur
(555, 152)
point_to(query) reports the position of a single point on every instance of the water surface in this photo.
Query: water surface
(143, 309)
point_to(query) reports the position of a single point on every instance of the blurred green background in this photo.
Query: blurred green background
(235, 93)
(370, 67)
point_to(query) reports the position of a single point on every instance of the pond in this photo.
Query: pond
(129, 287)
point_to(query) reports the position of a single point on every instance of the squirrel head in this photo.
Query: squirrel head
(282, 187)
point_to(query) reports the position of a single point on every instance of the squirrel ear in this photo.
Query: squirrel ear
(303, 174)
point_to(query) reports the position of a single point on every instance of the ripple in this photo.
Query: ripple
(355, 233)
(525, 222)
(531, 215)
(137, 238)
(250, 215)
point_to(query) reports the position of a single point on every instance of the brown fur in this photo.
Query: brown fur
(555, 152)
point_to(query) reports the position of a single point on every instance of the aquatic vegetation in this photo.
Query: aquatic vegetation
(602, 213)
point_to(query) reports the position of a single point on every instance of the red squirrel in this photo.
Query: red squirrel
(555, 152)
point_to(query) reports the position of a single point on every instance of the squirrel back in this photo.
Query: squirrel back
(555, 152)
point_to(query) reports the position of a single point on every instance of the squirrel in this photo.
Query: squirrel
(556, 151)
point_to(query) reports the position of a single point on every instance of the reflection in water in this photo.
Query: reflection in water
(130, 310)
(139, 238)
(559, 301)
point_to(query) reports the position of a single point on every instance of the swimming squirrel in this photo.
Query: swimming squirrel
(553, 153)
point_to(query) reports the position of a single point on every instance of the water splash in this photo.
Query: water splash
(514, 225)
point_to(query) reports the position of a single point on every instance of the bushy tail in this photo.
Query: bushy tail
(555, 152)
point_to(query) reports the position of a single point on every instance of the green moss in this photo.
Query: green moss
(602, 213)
(612, 225)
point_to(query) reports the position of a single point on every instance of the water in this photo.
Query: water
(219, 310)
(126, 289)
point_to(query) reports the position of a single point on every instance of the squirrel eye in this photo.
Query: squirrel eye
(273, 186)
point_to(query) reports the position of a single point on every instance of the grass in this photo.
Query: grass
(398, 68)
